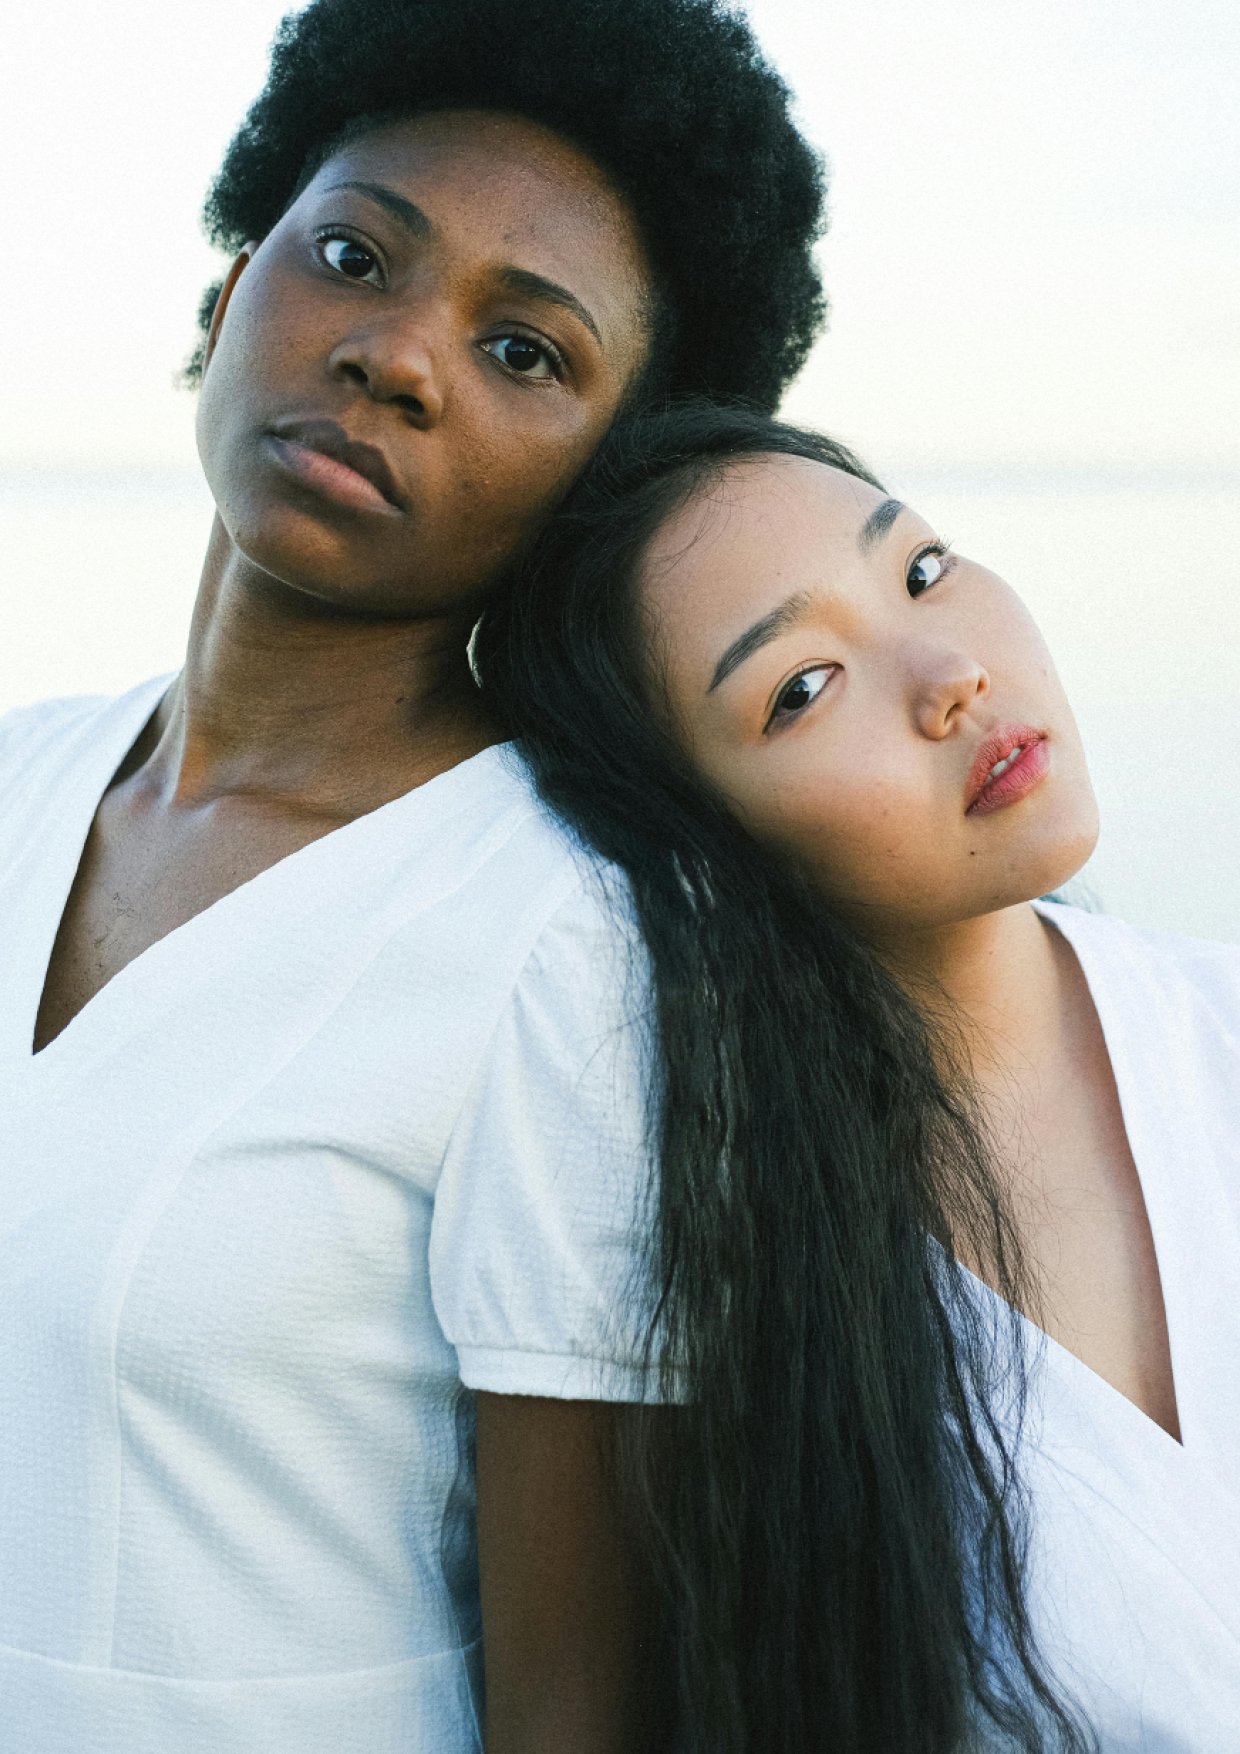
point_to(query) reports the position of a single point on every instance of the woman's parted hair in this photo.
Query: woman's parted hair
(834, 1513)
(671, 98)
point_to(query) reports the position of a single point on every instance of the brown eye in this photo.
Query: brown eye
(349, 258)
(522, 355)
(802, 691)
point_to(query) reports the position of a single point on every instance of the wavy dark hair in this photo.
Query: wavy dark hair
(673, 99)
(833, 1510)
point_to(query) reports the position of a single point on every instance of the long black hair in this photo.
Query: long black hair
(832, 1508)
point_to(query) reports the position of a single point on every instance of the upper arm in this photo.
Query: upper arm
(538, 1256)
(574, 1660)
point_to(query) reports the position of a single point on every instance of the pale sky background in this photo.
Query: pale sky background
(1034, 267)
(1035, 255)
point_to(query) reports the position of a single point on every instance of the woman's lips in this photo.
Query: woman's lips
(1028, 759)
(329, 476)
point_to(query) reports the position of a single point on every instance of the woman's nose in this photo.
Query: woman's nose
(393, 363)
(947, 684)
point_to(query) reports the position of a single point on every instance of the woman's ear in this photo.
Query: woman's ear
(240, 264)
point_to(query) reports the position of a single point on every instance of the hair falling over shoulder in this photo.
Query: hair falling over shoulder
(832, 1509)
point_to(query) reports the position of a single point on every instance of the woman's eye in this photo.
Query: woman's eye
(802, 691)
(928, 568)
(528, 359)
(350, 258)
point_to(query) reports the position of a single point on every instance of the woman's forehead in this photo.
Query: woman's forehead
(485, 157)
(510, 193)
(768, 531)
(757, 521)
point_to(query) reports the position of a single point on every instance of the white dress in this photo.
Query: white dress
(1136, 1538)
(365, 1131)
(368, 1130)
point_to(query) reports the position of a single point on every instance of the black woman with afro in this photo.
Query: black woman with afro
(324, 1335)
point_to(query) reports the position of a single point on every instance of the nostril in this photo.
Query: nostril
(410, 404)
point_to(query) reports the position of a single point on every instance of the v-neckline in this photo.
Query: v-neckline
(135, 711)
(142, 703)
(1068, 1360)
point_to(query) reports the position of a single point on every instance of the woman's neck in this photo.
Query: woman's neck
(319, 712)
(1002, 975)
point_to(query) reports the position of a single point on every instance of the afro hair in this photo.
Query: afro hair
(671, 98)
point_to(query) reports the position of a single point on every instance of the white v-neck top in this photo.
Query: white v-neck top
(1136, 1539)
(367, 1130)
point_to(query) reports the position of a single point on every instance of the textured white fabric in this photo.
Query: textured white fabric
(1136, 1540)
(369, 1128)
(366, 1130)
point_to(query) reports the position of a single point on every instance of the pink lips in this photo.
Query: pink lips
(985, 793)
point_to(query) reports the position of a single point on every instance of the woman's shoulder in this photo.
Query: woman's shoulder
(482, 875)
(587, 927)
(37, 741)
(1166, 969)
(71, 727)
(25, 728)
(590, 887)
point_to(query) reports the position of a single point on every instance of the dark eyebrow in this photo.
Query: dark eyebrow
(409, 216)
(530, 285)
(760, 634)
(878, 523)
(520, 280)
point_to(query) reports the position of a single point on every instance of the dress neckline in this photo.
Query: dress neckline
(124, 721)
(1066, 921)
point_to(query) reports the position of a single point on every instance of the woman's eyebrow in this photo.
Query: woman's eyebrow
(761, 634)
(878, 523)
(531, 285)
(411, 217)
(519, 280)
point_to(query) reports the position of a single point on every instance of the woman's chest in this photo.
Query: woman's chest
(1087, 1232)
(144, 874)
(1136, 1536)
(210, 1201)
(227, 1162)
(1135, 1553)
(221, 1371)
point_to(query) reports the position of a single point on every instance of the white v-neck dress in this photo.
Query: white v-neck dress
(364, 1132)
(368, 1130)
(1136, 1538)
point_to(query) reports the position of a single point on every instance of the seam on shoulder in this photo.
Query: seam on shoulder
(48, 715)
(532, 959)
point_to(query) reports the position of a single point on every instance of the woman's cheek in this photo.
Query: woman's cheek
(794, 816)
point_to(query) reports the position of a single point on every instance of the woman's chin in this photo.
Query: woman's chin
(956, 895)
(286, 556)
(1075, 845)
(1056, 842)
(1046, 870)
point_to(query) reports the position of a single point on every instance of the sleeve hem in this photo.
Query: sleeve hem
(567, 1376)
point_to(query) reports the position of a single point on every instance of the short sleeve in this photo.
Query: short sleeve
(542, 1208)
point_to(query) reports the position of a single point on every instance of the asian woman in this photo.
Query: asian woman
(947, 1224)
